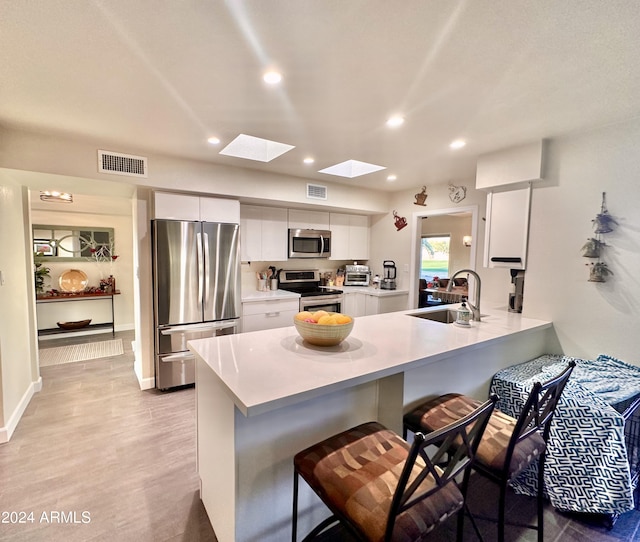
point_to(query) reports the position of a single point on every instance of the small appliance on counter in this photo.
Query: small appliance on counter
(389, 275)
(357, 275)
(517, 290)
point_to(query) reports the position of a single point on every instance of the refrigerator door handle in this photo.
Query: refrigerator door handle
(182, 357)
(200, 268)
(207, 259)
(201, 327)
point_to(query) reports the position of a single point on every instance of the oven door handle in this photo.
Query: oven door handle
(321, 299)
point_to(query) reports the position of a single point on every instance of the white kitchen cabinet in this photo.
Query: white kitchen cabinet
(308, 220)
(219, 210)
(268, 314)
(188, 207)
(511, 166)
(176, 206)
(365, 304)
(349, 236)
(354, 304)
(387, 303)
(263, 234)
(507, 228)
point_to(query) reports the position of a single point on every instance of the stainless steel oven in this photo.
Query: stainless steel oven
(309, 243)
(327, 302)
(313, 297)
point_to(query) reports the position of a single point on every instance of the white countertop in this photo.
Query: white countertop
(374, 291)
(265, 370)
(255, 295)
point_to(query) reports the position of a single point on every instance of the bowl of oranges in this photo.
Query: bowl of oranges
(322, 328)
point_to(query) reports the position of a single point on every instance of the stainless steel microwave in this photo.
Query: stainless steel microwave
(309, 243)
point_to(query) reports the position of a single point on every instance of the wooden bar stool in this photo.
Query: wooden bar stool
(509, 445)
(382, 488)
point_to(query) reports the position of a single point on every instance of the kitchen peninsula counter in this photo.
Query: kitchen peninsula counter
(266, 395)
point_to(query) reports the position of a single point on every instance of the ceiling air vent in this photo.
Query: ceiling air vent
(316, 191)
(122, 164)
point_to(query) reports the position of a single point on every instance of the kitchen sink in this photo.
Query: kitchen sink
(446, 316)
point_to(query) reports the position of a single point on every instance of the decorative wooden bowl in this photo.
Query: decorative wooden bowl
(74, 325)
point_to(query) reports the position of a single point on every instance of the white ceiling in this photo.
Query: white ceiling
(153, 76)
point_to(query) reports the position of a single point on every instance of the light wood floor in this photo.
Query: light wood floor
(92, 442)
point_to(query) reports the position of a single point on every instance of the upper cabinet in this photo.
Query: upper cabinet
(508, 175)
(510, 166)
(188, 207)
(264, 233)
(308, 220)
(349, 236)
(507, 230)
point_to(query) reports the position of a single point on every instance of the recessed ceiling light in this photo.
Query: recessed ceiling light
(351, 169)
(213, 140)
(392, 177)
(457, 144)
(272, 77)
(395, 121)
(308, 160)
(255, 148)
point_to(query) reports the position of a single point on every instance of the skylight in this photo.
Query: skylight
(255, 148)
(351, 169)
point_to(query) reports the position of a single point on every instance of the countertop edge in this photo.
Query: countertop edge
(253, 409)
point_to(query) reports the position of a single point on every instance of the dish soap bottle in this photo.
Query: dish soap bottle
(463, 315)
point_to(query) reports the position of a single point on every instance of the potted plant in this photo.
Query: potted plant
(40, 272)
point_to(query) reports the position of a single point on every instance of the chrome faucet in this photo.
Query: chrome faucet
(475, 308)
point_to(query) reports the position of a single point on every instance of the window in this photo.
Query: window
(434, 255)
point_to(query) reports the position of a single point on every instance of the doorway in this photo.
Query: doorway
(456, 223)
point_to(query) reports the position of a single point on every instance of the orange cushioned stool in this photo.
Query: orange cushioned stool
(508, 445)
(382, 488)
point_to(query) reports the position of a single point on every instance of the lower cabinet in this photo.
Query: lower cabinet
(363, 304)
(268, 314)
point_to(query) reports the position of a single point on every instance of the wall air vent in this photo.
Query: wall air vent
(122, 164)
(316, 191)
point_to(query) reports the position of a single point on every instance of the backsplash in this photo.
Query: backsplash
(248, 270)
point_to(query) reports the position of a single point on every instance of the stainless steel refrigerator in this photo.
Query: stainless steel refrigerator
(196, 283)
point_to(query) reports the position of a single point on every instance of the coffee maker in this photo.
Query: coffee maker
(517, 290)
(389, 275)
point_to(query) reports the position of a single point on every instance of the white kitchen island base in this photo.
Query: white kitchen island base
(246, 463)
(257, 406)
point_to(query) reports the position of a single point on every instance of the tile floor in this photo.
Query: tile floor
(92, 442)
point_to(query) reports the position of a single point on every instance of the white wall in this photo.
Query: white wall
(590, 318)
(19, 376)
(78, 158)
